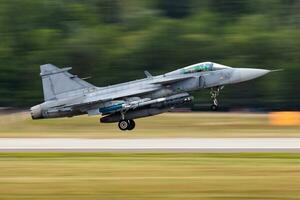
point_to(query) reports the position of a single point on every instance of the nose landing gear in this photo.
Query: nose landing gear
(214, 107)
(214, 92)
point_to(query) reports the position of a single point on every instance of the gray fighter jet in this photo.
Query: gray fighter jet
(66, 95)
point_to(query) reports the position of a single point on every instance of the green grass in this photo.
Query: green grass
(149, 176)
(166, 125)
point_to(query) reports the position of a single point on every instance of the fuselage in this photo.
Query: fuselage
(191, 78)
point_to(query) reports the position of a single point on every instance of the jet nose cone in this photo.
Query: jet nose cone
(246, 74)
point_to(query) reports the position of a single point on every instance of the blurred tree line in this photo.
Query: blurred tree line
(116, 40)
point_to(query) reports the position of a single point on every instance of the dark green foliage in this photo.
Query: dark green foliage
(115, 41)
(231, 7)
(175, 8)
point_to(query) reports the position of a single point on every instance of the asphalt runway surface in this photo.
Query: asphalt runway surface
(150, 145)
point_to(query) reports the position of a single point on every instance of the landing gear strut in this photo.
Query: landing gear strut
(214, 92)
(126, 124)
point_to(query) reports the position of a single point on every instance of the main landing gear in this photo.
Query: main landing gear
(126, 124)
(214, 92)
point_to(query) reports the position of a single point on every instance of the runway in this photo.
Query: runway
(150, 145)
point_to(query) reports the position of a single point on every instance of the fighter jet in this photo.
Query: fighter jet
(66, 95)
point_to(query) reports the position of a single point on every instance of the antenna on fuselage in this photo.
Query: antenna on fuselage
(148, 75)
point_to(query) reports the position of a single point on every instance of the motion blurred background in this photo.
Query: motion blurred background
(116, 40)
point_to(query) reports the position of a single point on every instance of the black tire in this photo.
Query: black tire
(214, 107)
(123, 125)
(131, 125)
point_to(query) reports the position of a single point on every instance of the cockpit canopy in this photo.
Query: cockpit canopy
(199, 67)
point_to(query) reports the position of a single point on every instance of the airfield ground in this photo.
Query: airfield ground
(75, 175)
(149, 175)
(207, 125)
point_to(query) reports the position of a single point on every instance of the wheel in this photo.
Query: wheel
(131, 125)
(123, 125)
(214, 107)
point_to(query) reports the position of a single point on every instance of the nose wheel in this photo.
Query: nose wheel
(126, 125)
(214, 107)
(214, 92)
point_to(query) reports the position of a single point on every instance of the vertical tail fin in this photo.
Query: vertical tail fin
(57, 81)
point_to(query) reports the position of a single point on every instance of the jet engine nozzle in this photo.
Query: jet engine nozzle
(36, 112)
